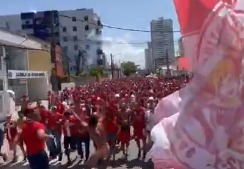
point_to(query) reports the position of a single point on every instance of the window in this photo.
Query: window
(27, 22)
(87, 47)
(74, 28)
(75, 38)
(74, 19)
(98, 32)
(99, 23)
(86, 18)
(7, 25)
(65, 49)
(87, 27)
(76, 47)
(64, 29)
(1, 85)
(65, 39)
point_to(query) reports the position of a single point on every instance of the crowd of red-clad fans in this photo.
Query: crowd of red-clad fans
(110, 113)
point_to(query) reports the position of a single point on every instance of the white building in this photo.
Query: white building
(76, 31)
(162, 39)
(149, 58)
(80, 32)
(14, 69)
(12, 22)
(181, 47)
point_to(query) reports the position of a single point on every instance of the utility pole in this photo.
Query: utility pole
(68, 71)
(54, 78)
(112, 65)
(167, 62)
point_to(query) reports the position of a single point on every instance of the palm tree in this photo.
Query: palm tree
(96, 72)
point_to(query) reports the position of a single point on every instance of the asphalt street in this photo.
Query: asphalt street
(131, 163)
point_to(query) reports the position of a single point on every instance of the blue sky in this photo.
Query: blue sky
(121, 13)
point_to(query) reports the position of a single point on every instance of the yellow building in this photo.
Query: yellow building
(39, 61)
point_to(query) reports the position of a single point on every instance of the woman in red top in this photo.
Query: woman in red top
(111, 130)
(34, 136)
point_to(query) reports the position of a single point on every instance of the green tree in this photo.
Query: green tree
(96, 72)
(128, 68)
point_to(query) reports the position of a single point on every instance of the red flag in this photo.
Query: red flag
(192, 13)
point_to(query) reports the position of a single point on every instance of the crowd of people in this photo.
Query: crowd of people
(108, 113)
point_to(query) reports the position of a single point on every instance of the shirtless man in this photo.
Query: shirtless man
(124, 129)
(98, 135)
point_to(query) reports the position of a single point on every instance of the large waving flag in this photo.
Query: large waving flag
(207, 132)
(192, 14)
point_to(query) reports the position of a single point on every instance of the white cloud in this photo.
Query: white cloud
(129, 52)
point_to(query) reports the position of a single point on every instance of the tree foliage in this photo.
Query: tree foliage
(128, 68)
(96, 72)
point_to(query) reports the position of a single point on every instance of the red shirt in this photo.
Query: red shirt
(54, 121)
(139, 122)
(69, 126)
(44, 116)
(60, 108)
(110, 125)
(81, 131)
(30, 137)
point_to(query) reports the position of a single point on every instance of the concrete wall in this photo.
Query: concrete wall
(37, 89)
(19, 87)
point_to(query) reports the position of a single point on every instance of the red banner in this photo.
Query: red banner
(192, 13)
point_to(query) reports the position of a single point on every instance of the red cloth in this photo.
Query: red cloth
(81, 131)
(69, 126)
(44, 115)
(139, 123)
(183, 63)
(110, 125)
(30, 137)
(124, 136)
(138, 134)
(188, 21)
(54, 121)
(60, 108)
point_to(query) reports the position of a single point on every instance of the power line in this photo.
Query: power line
(119, 28)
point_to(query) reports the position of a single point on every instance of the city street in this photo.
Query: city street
(120, 163)
(131, 163)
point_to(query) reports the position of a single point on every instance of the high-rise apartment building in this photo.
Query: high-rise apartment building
(78, 32)
(148, 58)
(162, 42)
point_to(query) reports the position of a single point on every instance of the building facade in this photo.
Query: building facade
(149, 59)
(181, 47)
(22, 59)
(162, 41)
(78, 32)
